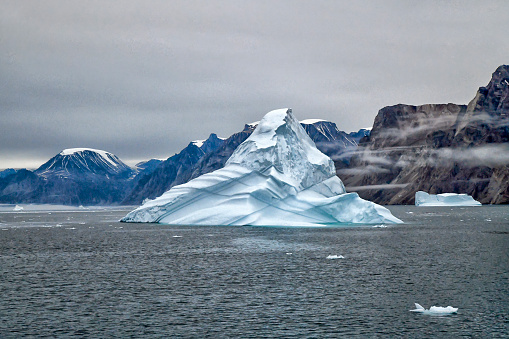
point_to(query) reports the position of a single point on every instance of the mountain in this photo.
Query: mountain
(216, 159)
(357, 136)
(78, 176)
(7, 172)
(437, 148)
(84, 162)
(173, 171)
(147, 167)
(277, 176)
(329, 139)
(21, 186)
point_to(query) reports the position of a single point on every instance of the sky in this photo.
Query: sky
(141, 79)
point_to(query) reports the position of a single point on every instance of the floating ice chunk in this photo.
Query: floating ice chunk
(438, 310)
(335, 256)
(444, 199)
(276, 177)
(18, 208)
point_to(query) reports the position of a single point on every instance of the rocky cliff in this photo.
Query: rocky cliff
(437, 148)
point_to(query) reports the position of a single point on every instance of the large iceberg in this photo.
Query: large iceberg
(444, 199)
(277, 177)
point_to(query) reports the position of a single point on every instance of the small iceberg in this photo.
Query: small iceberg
(435, 310)
(444, 199)
(18, 208)
(335, 256)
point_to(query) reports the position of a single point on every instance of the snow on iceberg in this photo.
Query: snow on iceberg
(276, 177)
(435, 310)
(444, 199)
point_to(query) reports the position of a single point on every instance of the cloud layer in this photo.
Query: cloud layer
(142, 79)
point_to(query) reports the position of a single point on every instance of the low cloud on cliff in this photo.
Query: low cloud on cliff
(383, 161)
(492, 155)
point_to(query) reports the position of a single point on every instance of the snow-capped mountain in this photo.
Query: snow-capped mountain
(77, 176)
(275, 177)
(84, 161)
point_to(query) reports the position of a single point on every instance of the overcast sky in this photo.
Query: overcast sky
(141, 79)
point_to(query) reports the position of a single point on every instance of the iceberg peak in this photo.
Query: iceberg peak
(281, 142)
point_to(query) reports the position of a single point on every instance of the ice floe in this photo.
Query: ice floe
(435, 310)
(335, 256)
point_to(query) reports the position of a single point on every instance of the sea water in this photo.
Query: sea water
(82, 273)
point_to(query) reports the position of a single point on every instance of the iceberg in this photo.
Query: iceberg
(444, 199)
(335, 256)
(276, 177)
(435, 310)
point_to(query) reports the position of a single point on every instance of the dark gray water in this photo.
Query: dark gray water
(82, 273)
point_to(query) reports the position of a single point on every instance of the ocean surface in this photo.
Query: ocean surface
(80, 272)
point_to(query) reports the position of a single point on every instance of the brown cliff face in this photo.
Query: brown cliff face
(437, 149)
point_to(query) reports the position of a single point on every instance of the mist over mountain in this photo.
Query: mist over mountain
(438, 148)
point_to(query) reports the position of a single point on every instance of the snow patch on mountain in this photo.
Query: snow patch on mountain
(311, 121)
(198, 143)
(107, 156)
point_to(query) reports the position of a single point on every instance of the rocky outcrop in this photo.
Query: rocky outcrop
(437, 149)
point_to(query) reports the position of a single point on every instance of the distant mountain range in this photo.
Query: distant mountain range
(84, 176)
(436, 148)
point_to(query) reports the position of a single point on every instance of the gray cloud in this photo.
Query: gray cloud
(142, 79)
